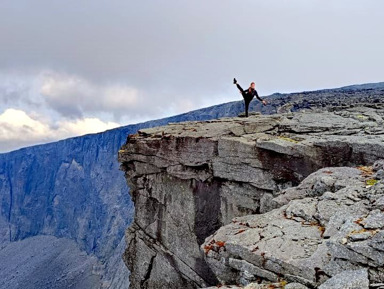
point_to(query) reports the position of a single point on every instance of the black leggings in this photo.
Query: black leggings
(247, 99)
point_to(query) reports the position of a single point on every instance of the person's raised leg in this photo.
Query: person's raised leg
(238, 86)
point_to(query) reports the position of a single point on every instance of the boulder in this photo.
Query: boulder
(353, 279)
(311, 238)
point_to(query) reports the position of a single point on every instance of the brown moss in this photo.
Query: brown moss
(366, 171)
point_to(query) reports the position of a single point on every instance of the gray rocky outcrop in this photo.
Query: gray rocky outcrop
(313, 237)
(73, 188)
(189, 179)
(352, 279)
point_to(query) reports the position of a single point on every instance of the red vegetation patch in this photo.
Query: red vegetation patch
(214, 245)
(240, 231)
(358, 221)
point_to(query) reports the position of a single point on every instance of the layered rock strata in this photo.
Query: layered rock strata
(189, 179)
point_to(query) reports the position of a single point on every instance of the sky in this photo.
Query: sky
(70, 67)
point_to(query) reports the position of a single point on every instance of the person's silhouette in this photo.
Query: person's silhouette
(248, 95)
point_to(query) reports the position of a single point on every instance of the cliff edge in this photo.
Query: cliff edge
(199, 187)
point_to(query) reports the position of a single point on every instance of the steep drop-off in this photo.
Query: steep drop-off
(73, 188)
(189, 179)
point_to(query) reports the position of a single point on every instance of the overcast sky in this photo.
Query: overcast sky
(72, 67)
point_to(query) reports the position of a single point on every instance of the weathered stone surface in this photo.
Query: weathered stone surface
(378, 165)
(357, 279)
(225, 287)
(295, 286)
(280, 285)
(189, 179)
(309, 239)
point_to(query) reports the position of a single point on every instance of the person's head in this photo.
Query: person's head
(253, 85)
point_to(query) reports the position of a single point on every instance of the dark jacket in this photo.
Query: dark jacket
(250, 93)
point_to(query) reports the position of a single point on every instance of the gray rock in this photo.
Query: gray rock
(189, 179)
(379, 175)
(295, 286)
(375, 220)
(378, 165)
(279, 285)
(357, 279)
(309, 239)
(225, 287)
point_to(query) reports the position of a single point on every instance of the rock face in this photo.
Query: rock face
(189, 179)
(63, 190)
(348, 279)
(329, 226)
(73, 189)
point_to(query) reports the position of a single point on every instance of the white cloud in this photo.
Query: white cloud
(84, 126)
(64, 64)
(44, 105)
(73, 96)
(18, 129)
(16, 123)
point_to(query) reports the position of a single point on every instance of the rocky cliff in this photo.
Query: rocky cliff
(236, 201)
(72, 189)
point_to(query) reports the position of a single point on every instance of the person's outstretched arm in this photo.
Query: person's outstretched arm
(259, 98)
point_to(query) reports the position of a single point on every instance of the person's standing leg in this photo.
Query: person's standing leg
(246, 103)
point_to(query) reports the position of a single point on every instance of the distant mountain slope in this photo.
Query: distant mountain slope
(73, 188)
(67, 266)
(378, 85)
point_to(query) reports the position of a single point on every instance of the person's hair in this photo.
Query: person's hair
(252, 83)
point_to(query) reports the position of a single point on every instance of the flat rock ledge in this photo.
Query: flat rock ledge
(264, 199)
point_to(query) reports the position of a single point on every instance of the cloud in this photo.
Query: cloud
(177, 49)
(197, 46)
(40, 106)
(84, 126)
(73, 96)
(18, 129)
(16, 123)
(134, 60)
(64, 95)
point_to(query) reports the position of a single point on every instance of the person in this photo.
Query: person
(248, 95)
